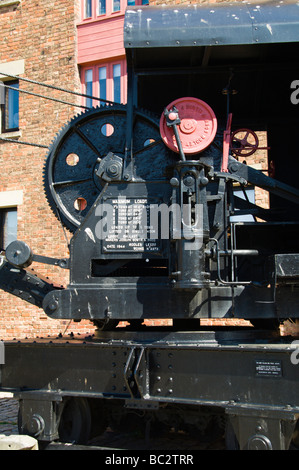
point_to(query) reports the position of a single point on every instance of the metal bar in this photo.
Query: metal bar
(220, 280)
(87, 141)
(214, 69)
(45, 97)
(13, 141)
(23, 284)
(257, 178)
(179, 144)
(179, 369)
(126, 369)
(56, 88)
(139, 386)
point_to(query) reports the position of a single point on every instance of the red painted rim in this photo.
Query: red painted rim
(197, 129)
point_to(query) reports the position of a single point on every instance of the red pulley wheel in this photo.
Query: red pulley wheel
(197, 127)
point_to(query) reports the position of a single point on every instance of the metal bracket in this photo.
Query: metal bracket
(19, 254)
(110, 168)
(232, 253)
(134, 375)
(229, 177)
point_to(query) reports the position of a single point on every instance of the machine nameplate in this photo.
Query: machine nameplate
(268, 368)
(130, 229)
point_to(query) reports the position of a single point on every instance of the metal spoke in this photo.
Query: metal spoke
(84, 137)
(87, 141)
(70, 182)
(148, 147)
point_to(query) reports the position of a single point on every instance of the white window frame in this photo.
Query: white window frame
(10, 200)
(15, 68)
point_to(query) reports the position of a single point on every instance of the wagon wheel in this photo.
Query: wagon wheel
(244, 142)
(75, 422)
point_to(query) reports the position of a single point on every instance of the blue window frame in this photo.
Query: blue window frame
(116, 5)
(88, 87)
(101, 7)
(103, 83)
(91, 9)
(116, 83)
(10, 107)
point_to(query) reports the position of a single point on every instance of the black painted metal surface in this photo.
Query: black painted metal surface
(248, 375)
(208, 25)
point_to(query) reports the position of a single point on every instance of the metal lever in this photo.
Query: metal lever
(172, 120)
(131, 371)
(20, 254)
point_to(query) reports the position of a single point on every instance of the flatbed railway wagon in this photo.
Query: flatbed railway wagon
(159, 199)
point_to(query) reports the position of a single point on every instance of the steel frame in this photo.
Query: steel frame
(253, 380)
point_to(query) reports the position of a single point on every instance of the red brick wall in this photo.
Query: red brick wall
(43, 34)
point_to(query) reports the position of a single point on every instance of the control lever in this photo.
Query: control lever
(20, 255)
(173, 120)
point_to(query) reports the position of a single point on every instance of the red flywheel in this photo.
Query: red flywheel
(196, 128)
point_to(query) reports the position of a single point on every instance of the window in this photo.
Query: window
(116, 5)
(106, 81)
(116, 83)
(103, 83)
(10, 106)
(8, 226)
(101, 7)
(87, 8)
(137, 2)
(250, 196)
(89, 86)
(91, 9)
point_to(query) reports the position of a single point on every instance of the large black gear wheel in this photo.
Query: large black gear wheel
(70, 180)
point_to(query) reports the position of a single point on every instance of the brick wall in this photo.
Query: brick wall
(43, 34)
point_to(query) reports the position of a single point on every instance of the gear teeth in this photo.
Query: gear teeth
(54, 145)
(62, 136)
